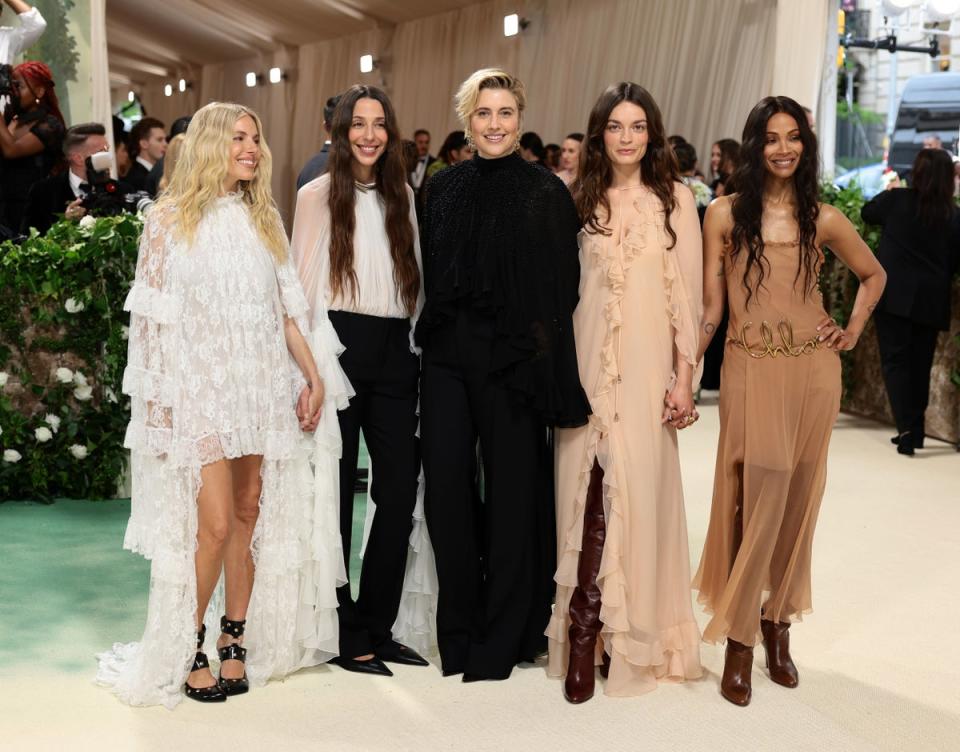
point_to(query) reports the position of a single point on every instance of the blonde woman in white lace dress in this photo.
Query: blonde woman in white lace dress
(224, 378)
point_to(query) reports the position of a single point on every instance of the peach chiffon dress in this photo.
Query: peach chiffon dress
(779, 399)
(640, 302)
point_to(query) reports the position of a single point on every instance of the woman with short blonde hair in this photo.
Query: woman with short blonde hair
(221, 469)
(499, 366)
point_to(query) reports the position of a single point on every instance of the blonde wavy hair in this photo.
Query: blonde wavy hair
(202, 168)
(486, 78)
(170, 159)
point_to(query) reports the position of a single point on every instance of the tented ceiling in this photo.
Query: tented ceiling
(148, 39)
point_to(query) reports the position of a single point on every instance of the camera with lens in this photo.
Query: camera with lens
(105, 196)
(6, 80)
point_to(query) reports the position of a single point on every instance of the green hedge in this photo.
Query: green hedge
(62, 354)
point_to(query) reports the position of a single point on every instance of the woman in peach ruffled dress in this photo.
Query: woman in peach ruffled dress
(623, 564)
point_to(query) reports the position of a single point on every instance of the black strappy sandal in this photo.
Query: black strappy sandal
(203, 694)
(232, 652)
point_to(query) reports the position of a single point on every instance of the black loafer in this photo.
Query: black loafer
(372, 666)
(394, 652)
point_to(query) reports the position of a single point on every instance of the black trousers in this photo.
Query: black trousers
(496, 556)
(906, 355)
(384, 374)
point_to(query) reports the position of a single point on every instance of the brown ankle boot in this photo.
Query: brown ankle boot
(735, 685)
(585, 602)
(776, 642)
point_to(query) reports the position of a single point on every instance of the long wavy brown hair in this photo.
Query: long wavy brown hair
(750, 181)
(391, 184)
(658, 166)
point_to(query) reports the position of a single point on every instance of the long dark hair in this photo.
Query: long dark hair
(455, 141)
(932, 177)
(750, 179)
(658, 166)
(391, 183)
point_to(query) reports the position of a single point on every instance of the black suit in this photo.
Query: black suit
(136, 178)
(315, 167)
(920, 262)
(46, 199)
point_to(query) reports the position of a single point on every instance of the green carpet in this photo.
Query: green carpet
(68, 590)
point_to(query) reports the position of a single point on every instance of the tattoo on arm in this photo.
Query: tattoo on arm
(871, 307)
(709, 328)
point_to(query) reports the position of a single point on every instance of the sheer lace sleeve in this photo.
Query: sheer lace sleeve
(683, 269)
(311, 237)
(153, 309)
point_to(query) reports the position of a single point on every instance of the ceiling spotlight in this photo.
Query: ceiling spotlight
(942, 10)
(183, 85)
(131, 96)
(168, 90)
(513, 25)
(251, 79)
(366, 63)
(277, 75)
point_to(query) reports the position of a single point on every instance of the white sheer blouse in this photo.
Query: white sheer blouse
(377, 293)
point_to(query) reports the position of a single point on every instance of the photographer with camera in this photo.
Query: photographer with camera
(64, 193)
(15, 39)
(31, 143)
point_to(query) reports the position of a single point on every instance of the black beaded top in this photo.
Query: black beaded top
(500, 236)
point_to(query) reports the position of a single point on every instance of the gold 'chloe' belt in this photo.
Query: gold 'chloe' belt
(787, 346)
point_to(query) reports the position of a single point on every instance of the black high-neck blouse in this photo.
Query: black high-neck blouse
(500, 236)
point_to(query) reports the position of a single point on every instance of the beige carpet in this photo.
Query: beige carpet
(879, 657)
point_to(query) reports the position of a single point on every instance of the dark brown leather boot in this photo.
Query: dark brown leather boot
(735, 685)
(585, 602)
(776, 642)
(605, 666)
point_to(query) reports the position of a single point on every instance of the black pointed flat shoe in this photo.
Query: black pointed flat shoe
(394, 652)
(203, 694)
(232, 652)
(373, 666)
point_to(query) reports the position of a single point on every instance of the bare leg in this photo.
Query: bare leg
(214, 509)
(237, 560)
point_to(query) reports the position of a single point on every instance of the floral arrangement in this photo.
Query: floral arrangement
(62, 353)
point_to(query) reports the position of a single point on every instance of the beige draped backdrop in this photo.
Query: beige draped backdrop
(706, 62)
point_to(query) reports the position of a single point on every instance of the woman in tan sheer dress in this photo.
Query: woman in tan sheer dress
(623, 561)
(779, 390)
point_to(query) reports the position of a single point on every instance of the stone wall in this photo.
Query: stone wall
(868, 396)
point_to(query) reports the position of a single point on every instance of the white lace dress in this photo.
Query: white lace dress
(210, 377)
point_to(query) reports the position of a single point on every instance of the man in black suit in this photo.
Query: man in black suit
(317, 165)
(147, 145)
(418, 176)
(61, 194)
(179, 126)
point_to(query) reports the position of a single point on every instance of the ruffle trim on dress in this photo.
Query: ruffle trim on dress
(327, 348)
(679, 310)
(151, 303)
(181, 451)
(150, 386)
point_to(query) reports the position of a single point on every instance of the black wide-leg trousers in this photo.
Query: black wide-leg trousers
(384, 374)
(906, 357)
(496, 556)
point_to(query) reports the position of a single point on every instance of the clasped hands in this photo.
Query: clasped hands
(310, 405)
(679, 409)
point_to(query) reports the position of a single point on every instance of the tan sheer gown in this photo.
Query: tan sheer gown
(639, 303)
(779, 398)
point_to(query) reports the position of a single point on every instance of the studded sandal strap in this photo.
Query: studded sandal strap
(232, 628)
(200, 661)
(232, 652)
(201, 635)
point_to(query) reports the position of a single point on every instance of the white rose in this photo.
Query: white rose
(4, 377)
(11, 455)
(64, 375)
(124, 332)
(43, 434)
(73, 305)
(109, 395)
(83, 393)
(53, 421)
(79, 451)
(87, 222)
(79, 379)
